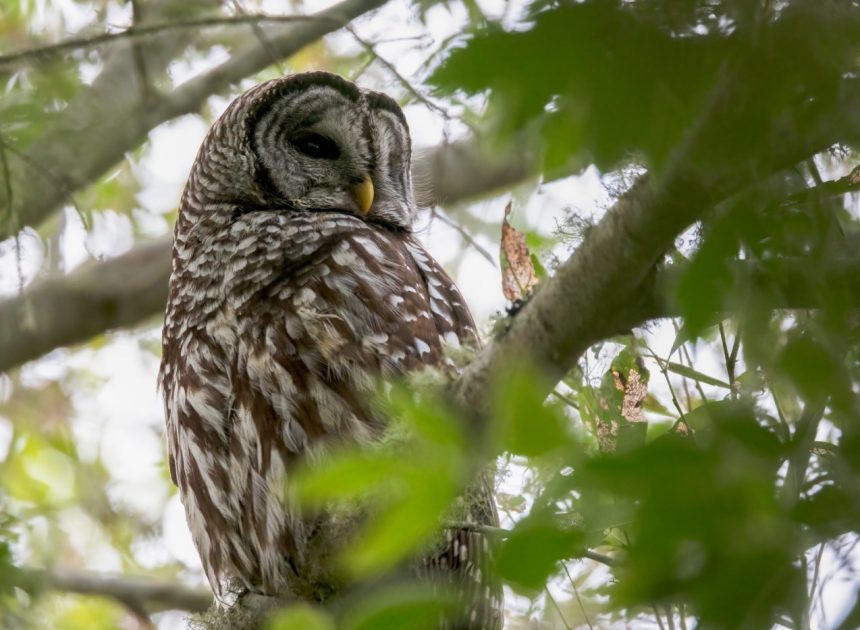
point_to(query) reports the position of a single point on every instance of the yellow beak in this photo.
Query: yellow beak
(362, 194)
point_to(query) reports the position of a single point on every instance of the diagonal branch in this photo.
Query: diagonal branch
(135, 32)
(109, 118)
(609, 280)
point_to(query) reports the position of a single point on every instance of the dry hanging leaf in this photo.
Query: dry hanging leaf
(635, 392)
(518, 272)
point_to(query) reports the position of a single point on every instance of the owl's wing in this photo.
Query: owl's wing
(464, 560)
(282, 370)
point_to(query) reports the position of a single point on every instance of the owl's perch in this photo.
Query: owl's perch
(611, 282)
(141, 595)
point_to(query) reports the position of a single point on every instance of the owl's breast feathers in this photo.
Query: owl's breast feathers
(274, 332)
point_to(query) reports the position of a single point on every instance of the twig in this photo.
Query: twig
(665, 372)
(139, 58)
(63, 185)
(470, 240)
(578, 599)
(501, 533)
(7, 185)
(729, 368)
(798, 461)
(147, 30)
(261, 37)
(657, 617)
(557, 609)
(697, 385)
(815, 574)
(670, 617)
(566, 399)
(403, 81)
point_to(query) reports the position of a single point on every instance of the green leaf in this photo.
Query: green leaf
(301, 617)
(531, 553)
(527, 426)
(705, 523)
(400, 527)
(812, 367)
(587, 60)
(688, 372)
(427, 416)
(402, 606)
(347, 475)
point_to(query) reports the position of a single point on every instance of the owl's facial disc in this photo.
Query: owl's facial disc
(325, 145)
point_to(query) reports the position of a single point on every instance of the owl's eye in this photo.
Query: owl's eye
(316, 146)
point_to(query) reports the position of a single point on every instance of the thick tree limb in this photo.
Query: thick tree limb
(602, 285)
(608, 282)
(142, 595)
(130, 288)
(114, 114)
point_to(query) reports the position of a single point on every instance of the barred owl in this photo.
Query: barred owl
(296, 284)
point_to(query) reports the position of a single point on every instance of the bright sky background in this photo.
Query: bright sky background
(120, 414)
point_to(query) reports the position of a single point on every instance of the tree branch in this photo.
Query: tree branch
(609, 282)
(109, 118)
(136, 32)
(94, 298)
(124, 291)
(612, 265)
(142, 595)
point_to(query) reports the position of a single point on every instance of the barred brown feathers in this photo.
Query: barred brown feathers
(290, 294)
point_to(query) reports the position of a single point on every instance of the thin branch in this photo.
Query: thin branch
(730, 369)
(661, 364)
(261, 37)
(798, 461)
(565, 399)
(658, 617)
(470, 240)
(7, 185)
(557, 608)
(816, 573)
(578, 598)
(403, 81)
(670, 617)
(141, 595)
(599, 557)
(608, 283)
(148, 30)
(501, 533)
(698, 385)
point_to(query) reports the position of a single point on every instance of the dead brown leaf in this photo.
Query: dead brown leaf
(518, 272)
(635, 392)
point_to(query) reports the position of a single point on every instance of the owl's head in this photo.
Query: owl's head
(306, 143)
